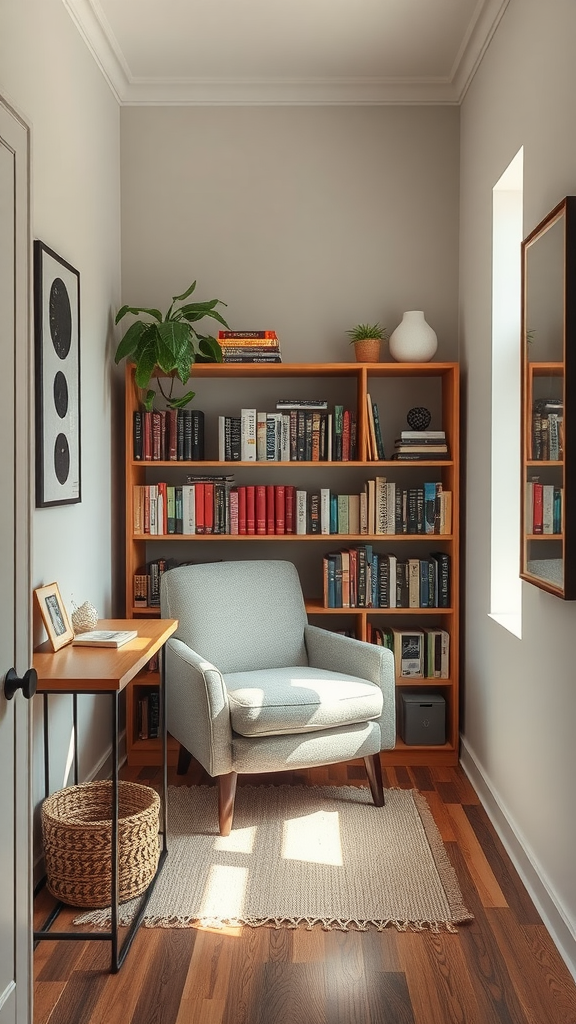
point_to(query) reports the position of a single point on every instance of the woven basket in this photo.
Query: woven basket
(77, 835)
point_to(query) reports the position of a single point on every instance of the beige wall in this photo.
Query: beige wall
(520, 696)
(304, 219)
(47, 73)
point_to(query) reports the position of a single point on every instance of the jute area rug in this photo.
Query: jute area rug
(302, 855)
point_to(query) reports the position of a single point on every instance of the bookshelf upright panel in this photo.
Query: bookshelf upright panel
(395, 388)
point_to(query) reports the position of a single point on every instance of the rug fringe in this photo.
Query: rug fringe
(327, 924)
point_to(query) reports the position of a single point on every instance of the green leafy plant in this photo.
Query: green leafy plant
(363, 331)
(169, 342)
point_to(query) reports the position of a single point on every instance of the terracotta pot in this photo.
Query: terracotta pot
(367, 350)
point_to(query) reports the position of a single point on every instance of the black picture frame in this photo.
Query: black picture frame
(57, 378)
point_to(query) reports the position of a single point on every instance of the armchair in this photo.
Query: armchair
(252, 687)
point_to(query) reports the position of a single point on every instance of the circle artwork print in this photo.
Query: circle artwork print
(61, 458)
(60, 394)
(60, 315)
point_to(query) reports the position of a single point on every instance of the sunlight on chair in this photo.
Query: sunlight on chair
(314, 838)
(224, 893)
(240, 840)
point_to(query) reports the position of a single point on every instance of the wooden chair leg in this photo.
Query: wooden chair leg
(226, 796)
(184, 759)
(374, 773)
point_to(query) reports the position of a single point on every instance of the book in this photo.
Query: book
(409, 652)
(105, 637)
(248, 435)
(301, 403)
(234, 335)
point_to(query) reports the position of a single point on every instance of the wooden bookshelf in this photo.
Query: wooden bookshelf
(396, 387)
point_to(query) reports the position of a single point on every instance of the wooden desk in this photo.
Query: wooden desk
(77, 670)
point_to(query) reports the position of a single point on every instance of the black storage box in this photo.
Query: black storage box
(422, 718)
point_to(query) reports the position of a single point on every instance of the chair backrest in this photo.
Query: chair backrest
(238, 615)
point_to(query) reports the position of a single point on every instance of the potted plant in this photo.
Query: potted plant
(367, 339)
(170, 343)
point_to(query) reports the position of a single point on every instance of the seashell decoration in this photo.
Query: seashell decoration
(84, 618)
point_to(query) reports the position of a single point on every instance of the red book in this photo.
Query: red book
(199, 500)
(147, 433)
(209, 506)
(172, 431)
(156, 436)
(241, 509)
(280, 498)
(346, 436)
(260, 508)
(290, 508)
(538, 508)
(353, 577)
(270, 509)
(250, 509)
(234, 511)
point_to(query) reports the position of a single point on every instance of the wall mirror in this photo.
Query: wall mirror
(548, 529)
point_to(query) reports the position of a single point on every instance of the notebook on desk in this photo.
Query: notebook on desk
(105, 637)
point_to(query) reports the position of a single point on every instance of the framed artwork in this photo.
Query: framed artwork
(57, 378)
(54, 615)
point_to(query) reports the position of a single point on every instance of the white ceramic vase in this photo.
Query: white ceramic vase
(413, 341)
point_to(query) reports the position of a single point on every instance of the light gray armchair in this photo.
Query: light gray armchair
(252, 687)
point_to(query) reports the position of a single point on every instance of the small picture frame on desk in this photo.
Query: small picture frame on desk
(54, 615)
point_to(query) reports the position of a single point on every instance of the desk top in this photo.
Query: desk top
(95, 669)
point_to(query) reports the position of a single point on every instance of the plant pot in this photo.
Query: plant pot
(367, 350)
(413, 341)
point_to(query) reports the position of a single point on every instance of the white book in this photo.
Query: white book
(248, 435)
(188, 508)
(301, 511)
(390, 507)
(413, 582)
(153, 493)
(409, 652)
(261, 436)
(548, 508)
(324, 510)
(105, 637)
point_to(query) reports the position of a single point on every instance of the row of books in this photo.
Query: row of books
(169, 435)
(148, 714)
(147, 585)
(548, 429)
(418, 654)
(363, 578)
(420, 445)
(250, 346)
(298, 434)
(214, 505)
(543, 508)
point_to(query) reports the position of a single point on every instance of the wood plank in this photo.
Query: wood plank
(513, 888)
(439, 988)
(346, 994)
(161, 992)
(490, 892)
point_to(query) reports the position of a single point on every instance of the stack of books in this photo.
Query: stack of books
(249, 346)
(420, 445)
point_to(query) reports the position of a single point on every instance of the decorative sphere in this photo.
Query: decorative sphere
(419, 418)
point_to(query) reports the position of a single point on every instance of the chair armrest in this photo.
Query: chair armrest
(197, 707)
(337, 653)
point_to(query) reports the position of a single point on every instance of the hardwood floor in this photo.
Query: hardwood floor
(502, 968)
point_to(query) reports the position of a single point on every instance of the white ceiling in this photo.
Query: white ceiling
(287, 51)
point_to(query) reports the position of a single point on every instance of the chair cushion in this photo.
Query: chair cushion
(300, 699)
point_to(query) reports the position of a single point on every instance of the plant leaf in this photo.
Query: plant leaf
(179, 403)
(149, 400)
(146, 360)
(175, 337)
(180, 298)
(130, 340)
(136, 310)
(210, 351)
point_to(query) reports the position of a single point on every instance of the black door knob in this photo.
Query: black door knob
(28, 683)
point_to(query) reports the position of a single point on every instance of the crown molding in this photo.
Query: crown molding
(475, 44)
(96, 32)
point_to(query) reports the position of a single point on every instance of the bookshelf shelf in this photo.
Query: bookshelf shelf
(548, 498)
(396, 388)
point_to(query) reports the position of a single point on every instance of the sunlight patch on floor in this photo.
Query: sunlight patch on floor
(224, 892)
(314, 838)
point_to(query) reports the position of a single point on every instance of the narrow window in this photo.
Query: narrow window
(505, 583)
